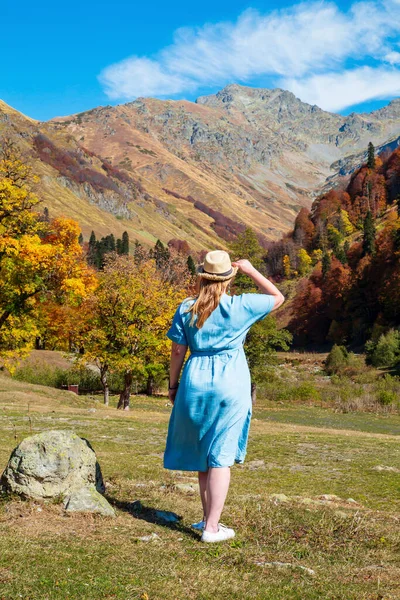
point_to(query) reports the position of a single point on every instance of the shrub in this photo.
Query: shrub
(337, 360)
(304, 391)
(386, 397)
(87, 379)
(40, 375)
(386, 352)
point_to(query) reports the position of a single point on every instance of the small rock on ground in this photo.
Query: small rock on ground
(149, 538)
(189, 488)
(279, 498)
(385, 468)
(281, 565)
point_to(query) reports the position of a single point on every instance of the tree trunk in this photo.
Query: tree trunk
(150, 385)
(125, 395)
(4, 317)
(104, 383)
(253, 392)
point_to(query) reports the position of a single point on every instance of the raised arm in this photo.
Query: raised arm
(265, 286)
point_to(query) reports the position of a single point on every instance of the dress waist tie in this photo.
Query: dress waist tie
(215, 352)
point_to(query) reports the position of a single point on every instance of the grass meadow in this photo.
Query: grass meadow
(316, 507)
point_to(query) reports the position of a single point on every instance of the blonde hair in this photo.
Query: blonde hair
(208, 296)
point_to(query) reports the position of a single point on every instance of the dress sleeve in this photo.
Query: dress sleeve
(256, 306)
(176, 332)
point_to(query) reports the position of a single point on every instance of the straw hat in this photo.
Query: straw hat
(217, 266)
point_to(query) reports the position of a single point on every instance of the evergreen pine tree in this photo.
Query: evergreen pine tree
(92, 250)
(341, 255)
(326, 263)
(125, 243)
(191, 265)
(368, 243)
(160, 254)
(371, 156)
(112, 243)
(46, 215)
(80, 239)
(100, 251)
(119, 246)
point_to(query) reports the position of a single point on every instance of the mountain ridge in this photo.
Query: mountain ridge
(201, 171)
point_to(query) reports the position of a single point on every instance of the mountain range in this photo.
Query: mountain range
(197, 171)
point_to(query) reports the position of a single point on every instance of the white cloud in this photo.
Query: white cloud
(393, 57)
(298, 45)
(335, 91)
(141, 76)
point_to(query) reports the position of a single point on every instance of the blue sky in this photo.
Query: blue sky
(62, 58)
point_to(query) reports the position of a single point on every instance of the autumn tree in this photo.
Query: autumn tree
(345, 225)
(304, 262)
(131, 311)
(286, 266)
(247, 246)
(38, 260)
(304, 229)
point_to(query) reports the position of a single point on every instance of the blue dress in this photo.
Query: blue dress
(210, 419)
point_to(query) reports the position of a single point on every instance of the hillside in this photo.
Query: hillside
(199, 171)
(342, 259)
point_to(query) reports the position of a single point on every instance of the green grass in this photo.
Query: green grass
(301, 452)
(319, 417)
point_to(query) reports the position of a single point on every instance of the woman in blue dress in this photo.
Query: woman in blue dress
(211, 412)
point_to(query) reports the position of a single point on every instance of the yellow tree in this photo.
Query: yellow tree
(304, 261)
(286, 266)
(37, 260)
(131, 311)
(345, 224)
(316, 256)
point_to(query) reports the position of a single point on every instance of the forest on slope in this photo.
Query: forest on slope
(342, 258)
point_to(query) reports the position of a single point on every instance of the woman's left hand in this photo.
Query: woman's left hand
(171, 395)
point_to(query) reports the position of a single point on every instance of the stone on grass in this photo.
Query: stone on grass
(385, 468)
(279, 498)
(283, 565)
(188, 488)
(57, 464)
(149, 538)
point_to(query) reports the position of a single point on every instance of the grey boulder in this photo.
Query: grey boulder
(57, 464)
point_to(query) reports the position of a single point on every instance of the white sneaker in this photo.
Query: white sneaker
(200, 525)
(223, 533)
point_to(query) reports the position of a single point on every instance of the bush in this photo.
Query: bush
(337, 360)
(303, 391)
(386, 397)
(41, 375)
(386, 352)
(87, 379)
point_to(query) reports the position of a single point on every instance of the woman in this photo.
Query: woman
(211, 413)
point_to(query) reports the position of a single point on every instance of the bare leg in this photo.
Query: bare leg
(203, 477)
(217, 489)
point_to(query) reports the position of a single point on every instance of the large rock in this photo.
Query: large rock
(57, 464)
